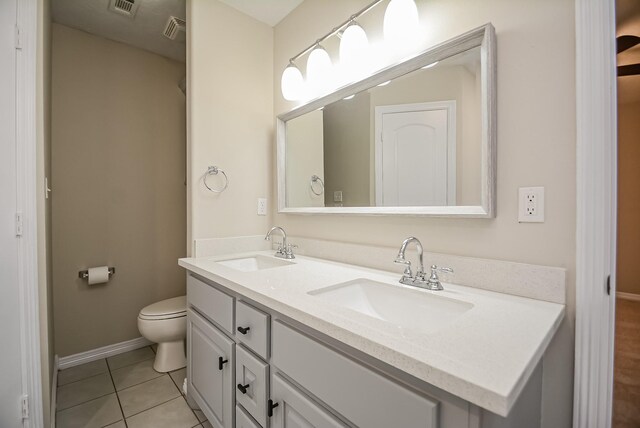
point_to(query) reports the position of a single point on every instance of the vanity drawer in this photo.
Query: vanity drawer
(347, 386)
(252, 328)
(251, 384)
(211, 302)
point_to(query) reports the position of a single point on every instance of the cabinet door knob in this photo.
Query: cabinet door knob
(221, 362)
(271, 405)
(243, 388)
(244, 330)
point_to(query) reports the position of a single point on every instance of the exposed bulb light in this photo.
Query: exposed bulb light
(385, 83)
(349, 97)
(292, 83)
(433, 64)
(401, 24)
(354, 50)
(319, 70)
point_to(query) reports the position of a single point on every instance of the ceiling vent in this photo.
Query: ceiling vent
(124, 7)
(173, 27)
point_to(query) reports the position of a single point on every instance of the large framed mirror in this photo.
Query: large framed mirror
(416, 138)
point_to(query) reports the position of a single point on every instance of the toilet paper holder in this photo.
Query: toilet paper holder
(84, 274)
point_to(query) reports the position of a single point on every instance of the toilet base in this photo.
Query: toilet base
(170, 356)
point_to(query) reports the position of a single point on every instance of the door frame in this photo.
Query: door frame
(450, 107)
(26, 167)
(596, 198)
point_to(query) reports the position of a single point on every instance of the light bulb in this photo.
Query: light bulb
(319, 71)
(292, 83)
(401, 24)
(354, 53)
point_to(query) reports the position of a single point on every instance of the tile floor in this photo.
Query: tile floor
(124, 391)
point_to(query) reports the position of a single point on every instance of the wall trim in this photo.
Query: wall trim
(596, 203)
(26, 170)
(628, 296)
(103, 352)
(54, 390)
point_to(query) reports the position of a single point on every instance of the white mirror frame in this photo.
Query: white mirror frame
(483, 37)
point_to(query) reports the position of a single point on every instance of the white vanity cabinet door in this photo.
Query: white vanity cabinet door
(360, 395)
(243, 420)
(210, 371)
(295, 410)
(251, 384)
(252, 328)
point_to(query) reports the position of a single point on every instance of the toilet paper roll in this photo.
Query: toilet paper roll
(98, 275)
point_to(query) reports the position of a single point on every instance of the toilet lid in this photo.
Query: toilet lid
(169, 308)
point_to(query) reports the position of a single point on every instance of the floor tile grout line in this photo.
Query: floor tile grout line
(140, 383)
(158, 405)
(84, 402)
(86, 378)
(117, 395)
(185, 397)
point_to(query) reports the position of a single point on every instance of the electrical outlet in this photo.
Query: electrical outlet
(337, 196)
(531, 205)
(262, 206)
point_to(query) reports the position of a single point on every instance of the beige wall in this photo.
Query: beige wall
(118, 165)
(43, 159)
(628, 269)
(231, 121)
(536, 146)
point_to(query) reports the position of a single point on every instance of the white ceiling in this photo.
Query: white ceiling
(143, 31)
(268, 11)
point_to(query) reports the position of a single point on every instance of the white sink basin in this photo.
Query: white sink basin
(254, 263)
(406, 308)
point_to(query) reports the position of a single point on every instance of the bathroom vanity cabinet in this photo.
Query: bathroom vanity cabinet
(250, 366)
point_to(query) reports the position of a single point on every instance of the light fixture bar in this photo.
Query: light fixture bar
(337, 29)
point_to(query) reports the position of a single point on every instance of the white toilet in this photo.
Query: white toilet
(165, 323)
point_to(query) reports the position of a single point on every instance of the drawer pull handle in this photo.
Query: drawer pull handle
(244, 330)
(243, 388)
(270, 407)
(221, 363)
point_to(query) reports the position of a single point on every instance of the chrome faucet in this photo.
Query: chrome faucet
(419, 280)
(285, 251)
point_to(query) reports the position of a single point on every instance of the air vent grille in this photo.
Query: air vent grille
(124, 7)
(174, 25)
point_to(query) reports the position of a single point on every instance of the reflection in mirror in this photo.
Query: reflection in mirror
(416, 141)
(417, 138)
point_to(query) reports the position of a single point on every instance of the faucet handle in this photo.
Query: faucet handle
(434, 281)
(407, 274)
(435, 269)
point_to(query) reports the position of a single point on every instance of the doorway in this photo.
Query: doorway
(626, 390)
(416, 143)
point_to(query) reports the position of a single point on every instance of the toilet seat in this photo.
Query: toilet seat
(165, 309)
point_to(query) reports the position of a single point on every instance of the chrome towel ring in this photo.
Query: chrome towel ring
(316, 179)
(214, 170)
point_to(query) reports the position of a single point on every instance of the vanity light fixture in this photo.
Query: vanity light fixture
(401, 24)
(401, 30)
(319, 68)
(354, 50)
(292, 83)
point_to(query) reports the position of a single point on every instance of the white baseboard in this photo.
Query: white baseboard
(628, 296)
(104, 352)
(54, 390)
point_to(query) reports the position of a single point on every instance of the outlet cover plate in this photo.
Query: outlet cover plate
(262, 206)
(531, 205)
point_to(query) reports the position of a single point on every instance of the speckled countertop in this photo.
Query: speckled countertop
(485, 356)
